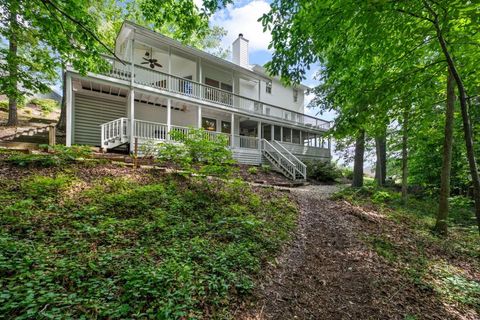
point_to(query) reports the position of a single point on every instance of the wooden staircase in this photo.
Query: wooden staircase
(27, 132)
(284, 161)
(114, 133)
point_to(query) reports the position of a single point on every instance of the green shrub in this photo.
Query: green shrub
(322, 171)
(380, 197)
(347, 173)
(69, 153)
(46, 105)
(33, 160)
(252, 170)
(43, 187)
(266, 168)
(197, 151)
(4, 105)
(59, 155)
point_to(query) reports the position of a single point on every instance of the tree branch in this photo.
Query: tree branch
(414, 15)
(88, 31)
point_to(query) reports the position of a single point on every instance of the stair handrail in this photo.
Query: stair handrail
(289, 166)
(113, 129)
(300, 166)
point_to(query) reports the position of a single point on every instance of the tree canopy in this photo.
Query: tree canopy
(382, 60)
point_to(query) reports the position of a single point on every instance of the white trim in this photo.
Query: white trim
(169, 117)
(132, 118)
(199, 115)
(69, 109)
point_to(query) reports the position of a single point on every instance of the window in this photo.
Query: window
(295, 95)
(287, 135)
(226, 127)
(209, 124)
(268, 88)
(226, 87)
(212, 83)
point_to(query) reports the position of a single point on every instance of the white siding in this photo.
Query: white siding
(282, 96)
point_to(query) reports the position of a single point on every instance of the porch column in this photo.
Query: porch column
(259, 89)
(169, 117)
(259, 134)
(329, 145)
(281, 134)
(199, 115)
(301, 138)
(169, 60)
(272, 132)
(232, 130)
(132, 119)
(69, 104)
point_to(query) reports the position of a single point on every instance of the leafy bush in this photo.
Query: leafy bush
(59, 155)
(252, 170)
(33, 160)
(69, 153)
(380, 197)
(46, 105)
(197, 151)
(322, 171)
(43, 187)
(173, 249)
(266, 168)
(347, 173)
(4, 105)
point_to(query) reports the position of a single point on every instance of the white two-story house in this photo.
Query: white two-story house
(159, 85)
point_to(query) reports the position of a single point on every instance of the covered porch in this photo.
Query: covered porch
(103, 110)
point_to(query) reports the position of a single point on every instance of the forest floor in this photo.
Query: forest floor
(352, 262)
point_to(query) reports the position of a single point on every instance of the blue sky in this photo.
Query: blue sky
(241, 17)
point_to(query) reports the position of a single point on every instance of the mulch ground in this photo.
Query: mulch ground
(328, 272)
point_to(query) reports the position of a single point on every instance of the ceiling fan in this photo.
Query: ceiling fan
(149, 60)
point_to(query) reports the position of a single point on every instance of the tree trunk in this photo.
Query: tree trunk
(358, 163)
(381, 164)
(441, 224)
(12, 92)
(62, 121)
(405, 156)
(467, 127)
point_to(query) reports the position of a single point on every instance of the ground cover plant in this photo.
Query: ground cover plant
(110, 242)
(449, 266)
(51, 156)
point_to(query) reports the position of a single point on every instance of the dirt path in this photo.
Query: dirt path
(328, 272)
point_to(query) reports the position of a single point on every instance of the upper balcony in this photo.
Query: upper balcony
(202, 93)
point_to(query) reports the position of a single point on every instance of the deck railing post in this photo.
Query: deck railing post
(199, 117)
(169, 117)
(232, 130)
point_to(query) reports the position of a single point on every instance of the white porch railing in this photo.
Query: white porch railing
(117, 132)
(150, 130)
(245, 142)
(278, 159)
(299, 165)
(113, 131)
(163, 81)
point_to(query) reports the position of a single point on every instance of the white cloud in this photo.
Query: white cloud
(198, 3)
(243, 19)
